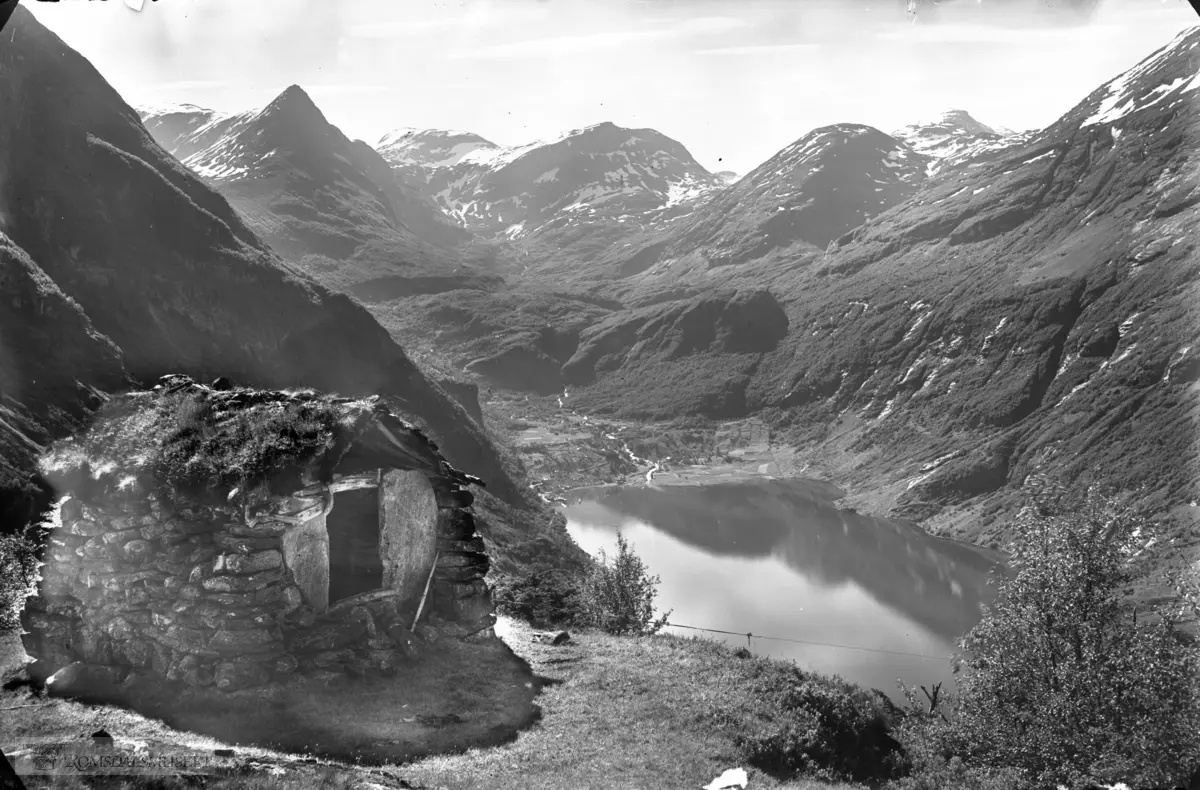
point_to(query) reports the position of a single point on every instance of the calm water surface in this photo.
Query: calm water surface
(775, 558)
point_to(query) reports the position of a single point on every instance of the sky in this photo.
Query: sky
(733, 80)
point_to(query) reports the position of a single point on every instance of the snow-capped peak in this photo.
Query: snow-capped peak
(430, 148)
(602, 171)
(955, 136)
(171, 108)
(964, 121)
(396, 135)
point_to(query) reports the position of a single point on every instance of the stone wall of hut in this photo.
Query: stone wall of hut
(201, 595)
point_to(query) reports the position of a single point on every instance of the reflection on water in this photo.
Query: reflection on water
(776, 558)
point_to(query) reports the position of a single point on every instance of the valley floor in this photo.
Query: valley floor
(654, 712)
(565, 450)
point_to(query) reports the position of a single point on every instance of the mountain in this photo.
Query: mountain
(602, 172)
(955, 137)
(430, 150)
(331, 205)
(579, 229)
(134, 260)
(819, 188)
(946, 135)
(1032, 311)
(185, 129)
(812, 192)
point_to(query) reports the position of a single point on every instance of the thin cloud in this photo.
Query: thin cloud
(757, 49)
(973, 34)
(191, 85)
(386, 30)
(710, 24)
(554, 46)
(475, 20)
(559, 45)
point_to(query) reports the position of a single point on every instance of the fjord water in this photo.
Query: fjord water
(775, 558)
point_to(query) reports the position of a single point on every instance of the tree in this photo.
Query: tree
(619, 594)
(19, 574)
(1063, 679)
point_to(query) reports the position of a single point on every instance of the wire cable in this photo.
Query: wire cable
(750, 636)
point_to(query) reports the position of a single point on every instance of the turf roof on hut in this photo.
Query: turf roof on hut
(214, 445)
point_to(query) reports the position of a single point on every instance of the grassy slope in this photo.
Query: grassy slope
(658, 712)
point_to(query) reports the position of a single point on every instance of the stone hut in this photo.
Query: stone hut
(236, 539)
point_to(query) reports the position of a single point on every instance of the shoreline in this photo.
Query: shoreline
(563, 451)
(699, 475)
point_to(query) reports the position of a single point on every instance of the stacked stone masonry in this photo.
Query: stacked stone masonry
(225, 600)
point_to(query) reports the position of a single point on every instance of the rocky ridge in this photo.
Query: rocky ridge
(330, 205)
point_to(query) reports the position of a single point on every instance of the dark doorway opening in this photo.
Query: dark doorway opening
(355, 565)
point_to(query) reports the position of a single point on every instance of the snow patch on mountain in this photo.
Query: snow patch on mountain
(598, 172)
(955, 137)
(431, 148)
(171, 108)
(1152, 81)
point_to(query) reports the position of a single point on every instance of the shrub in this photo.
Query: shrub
(1061, 681)
(821, 727)
(934, 747)
(18, 575)
(618, 594)
(545, 597)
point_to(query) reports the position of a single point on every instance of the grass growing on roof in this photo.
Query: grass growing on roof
(211, 446)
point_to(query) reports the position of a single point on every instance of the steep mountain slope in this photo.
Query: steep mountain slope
(602, 172)
(1031, 311)
(517, 339)
(54, 366)
(705, 349)
(165, 268)
(330, 205)
(827, 182)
